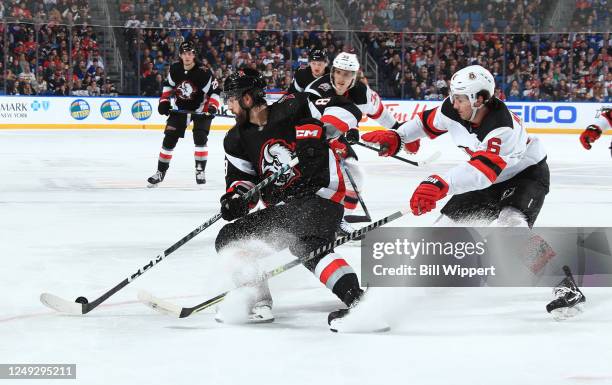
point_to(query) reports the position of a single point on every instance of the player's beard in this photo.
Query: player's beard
(242, 117)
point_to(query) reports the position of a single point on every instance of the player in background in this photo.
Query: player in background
(194, 89)
(603, 123)
(303, 206)
(343, 81)
(317, 67)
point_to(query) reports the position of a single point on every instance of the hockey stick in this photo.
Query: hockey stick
(168, 307)
(432, 158)
(202, 113)
(356, 218)
(82, 306)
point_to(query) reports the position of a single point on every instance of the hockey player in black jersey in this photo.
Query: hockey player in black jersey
(303, 206)
(194, 89)
(343, 81)
(317, 67)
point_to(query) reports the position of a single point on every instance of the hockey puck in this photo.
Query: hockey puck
(82, 300)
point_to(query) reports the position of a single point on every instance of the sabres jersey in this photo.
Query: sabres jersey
(254, 152)
(192, 89)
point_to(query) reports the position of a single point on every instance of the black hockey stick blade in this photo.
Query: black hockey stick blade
(64, 306)
(357, 218)
(183, 312)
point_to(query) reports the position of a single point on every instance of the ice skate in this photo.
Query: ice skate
(156, 178)
(568, 300)
(200, 176)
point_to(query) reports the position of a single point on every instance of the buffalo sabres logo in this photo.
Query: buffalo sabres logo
(325, 86)
(185, 90)
(275, 154)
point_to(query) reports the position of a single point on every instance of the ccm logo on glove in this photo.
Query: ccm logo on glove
(308, 131)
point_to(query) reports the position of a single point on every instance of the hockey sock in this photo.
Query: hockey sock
(350, 201)
(335, 273)
(165, 156)
(201, 156)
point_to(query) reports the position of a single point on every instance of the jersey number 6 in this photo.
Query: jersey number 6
(493, 145)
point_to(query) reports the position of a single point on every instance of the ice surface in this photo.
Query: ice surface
(77, 218)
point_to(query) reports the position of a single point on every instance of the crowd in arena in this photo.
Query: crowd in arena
(51, 50)
(417, 45)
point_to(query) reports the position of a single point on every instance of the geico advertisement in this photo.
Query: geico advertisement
(128, 112)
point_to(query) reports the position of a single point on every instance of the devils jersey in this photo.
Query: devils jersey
(363, 96)
(498, 149)
(193, 89)
(302, 78)
(603, 119)
(252, 153)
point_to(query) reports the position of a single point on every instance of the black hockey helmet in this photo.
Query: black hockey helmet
(244, 80)
(317, 54)
(186, 46)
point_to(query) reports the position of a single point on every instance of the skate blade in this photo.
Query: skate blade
(152, 185)
(563, 313)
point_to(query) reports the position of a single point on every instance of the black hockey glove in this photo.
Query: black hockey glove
(233, 206)
(212, 110)
(164, 107)
(311, 148)
(352, 136)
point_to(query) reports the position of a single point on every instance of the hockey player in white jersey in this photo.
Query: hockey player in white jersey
(506, 177)
(602, 123)
(343, 81)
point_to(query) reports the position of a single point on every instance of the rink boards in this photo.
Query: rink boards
(23, 112)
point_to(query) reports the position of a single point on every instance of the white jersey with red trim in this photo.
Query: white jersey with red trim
(499, 148)
(366, 99)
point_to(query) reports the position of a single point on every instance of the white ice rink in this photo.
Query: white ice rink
(76, 219)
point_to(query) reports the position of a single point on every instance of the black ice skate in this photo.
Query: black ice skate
(568, 298)
(156, 178)
(200, 176)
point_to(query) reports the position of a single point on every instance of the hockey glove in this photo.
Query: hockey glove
(164, 107)
(426, 195)
(212, 110)
(233, 206)
(389, 141)
(352, 136)
(590, 135)
(311, 148)
(339, 147)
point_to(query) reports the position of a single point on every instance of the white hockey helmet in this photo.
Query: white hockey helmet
(347, 62)
(471, 80)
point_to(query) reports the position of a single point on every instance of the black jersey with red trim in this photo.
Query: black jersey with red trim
(253, 152)
(498, 149)
(302, 78)
(363, 96)
(192, 89)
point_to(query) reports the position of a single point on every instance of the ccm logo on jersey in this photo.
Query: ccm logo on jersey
(308, 131)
